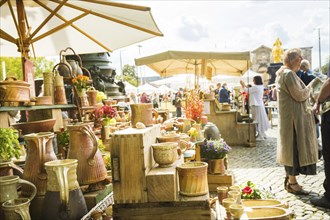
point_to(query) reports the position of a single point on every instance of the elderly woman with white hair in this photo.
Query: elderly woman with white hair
(297, 146)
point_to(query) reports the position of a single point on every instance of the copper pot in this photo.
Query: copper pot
(13, 90)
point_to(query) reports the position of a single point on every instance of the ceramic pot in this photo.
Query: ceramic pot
(84, 147)
(216, 166)
(193, 178)
(60, 97)
(211, 131)
(63, 68)
(92, 97)
(39, 151)
(141, 113)
(49, 85)
(63, 199)
(165, 154)
(8, 189)
(17, 209)
(13, 90)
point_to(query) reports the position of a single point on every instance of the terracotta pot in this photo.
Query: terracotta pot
(92, 97)
(216, 166)
(84, 147)
(165, 153)
(193, 178)
(40, 150)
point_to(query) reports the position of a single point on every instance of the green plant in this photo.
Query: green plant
(251, 191)
(9, 145)
(100, 145)
(107, 161)
(214, 149)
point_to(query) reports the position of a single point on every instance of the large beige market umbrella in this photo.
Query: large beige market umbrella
(43, 28)
(205, 64)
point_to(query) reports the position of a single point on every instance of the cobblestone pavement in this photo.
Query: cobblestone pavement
(259, 165)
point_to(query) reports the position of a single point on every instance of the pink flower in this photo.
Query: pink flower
(247, 190)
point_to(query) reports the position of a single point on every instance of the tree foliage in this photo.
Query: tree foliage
(130, 74)
(13, 66)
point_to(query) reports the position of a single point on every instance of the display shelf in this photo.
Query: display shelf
(36, 107)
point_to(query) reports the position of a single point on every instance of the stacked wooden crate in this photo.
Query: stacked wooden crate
(143, 190)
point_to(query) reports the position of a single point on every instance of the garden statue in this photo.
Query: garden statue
(277, 51)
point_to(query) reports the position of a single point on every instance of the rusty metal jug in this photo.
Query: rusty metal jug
(39, 150)
(63, 199)
(84, 147)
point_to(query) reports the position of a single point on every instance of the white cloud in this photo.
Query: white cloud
(234, 26)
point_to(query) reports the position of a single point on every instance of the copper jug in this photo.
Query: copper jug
(63, 199)
(84, 147)
(39, 150)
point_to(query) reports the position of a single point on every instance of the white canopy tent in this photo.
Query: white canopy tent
(147, 88)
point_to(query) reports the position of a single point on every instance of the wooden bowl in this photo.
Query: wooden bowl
(35, 126)
(44, 100)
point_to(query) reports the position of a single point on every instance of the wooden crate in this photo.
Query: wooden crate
(162, 183)
(215, 180)
(184, 208)
(131, 157)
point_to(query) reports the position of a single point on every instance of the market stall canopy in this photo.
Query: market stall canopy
(147, 88)
(46, 27)
(206, 64)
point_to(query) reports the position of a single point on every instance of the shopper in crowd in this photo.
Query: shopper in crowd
(155, 100)
(217, 89)
(324, 99)
(257, 107)
(224, 96)
(306, 75)
(178, 102)
(144, 98)
(297, 144)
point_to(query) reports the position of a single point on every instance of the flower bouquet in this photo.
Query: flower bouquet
(105, 114)
(80, 82)
(194, 106)
(251, 191)
(193, 134)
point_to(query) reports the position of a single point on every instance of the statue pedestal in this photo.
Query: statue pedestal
(272, 70)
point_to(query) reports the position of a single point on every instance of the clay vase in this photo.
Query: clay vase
(39, 150)
(60, 97)
(216, 166)
(74, 67)
(165, 154)
(141, 113)
(92, 97)
(84, 147)
(63, 199)
(17, 209)
(8, 189)
(64, 68)
(211, 131)
(8, 168)
(49, 85)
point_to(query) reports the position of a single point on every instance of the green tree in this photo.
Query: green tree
(325, 66)
(130, 74)
(13, 66)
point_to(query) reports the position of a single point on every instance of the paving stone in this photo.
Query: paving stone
(259, 165)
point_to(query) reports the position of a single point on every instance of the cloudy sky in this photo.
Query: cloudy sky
(233, 26)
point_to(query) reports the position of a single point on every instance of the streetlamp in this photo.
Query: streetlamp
(139, 46)
(121, 66)
(320, 69)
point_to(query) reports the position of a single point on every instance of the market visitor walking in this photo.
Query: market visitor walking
(296, 150)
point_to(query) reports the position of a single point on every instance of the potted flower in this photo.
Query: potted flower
(194, 105)
(215, 151)
(193, 134)
(80, 82)
(9, 145)
(105, 114)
